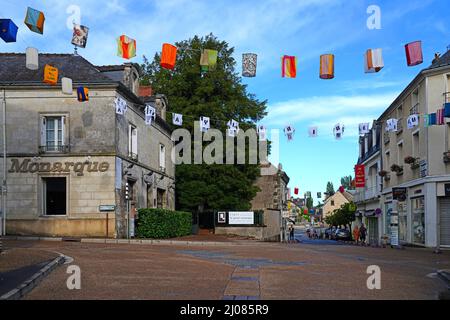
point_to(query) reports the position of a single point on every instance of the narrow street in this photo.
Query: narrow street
(252, 271)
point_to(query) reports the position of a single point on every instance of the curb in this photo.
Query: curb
(144, 241)
(32, 282)
(445, 276)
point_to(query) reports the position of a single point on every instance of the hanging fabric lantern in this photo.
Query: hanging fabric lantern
(414, 54)
(447, 110)
(327, 66)
(126, 47)
(50, 74)
(208, 59)
(296, 191)
(35, 20)
(249, 62)
(83, 94)
(168, 56)
(8, 30)
(67, 86)
(289, 67)
(32, 58)
(80, 34)
(373, 60)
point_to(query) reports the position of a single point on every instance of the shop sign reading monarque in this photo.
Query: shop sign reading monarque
(56, 167)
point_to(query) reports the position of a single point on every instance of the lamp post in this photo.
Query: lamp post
(3, 186)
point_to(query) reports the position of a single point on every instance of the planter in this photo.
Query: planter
(415, 165)
(446, 157)
(387, 177)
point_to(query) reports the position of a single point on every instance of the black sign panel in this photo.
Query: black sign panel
(399, 194)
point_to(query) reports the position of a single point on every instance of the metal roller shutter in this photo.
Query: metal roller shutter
(445, 221)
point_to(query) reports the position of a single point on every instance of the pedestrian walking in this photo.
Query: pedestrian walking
(362, 233)
(291, 233)
(356, 234)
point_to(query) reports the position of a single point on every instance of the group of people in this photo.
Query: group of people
(359, 234)
(313, 234)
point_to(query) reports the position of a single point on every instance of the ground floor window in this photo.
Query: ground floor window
(418, 220)
(161, 198)
(387, 219)
(402, 221)
(54, 196)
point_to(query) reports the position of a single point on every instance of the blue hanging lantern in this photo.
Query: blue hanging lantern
(8, 30)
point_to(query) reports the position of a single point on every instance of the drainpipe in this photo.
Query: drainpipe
(3, 186)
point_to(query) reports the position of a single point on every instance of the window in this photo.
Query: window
(418, 219)
(388, 158)
(162, 157)
(414, 102)
(132, 142)
(400, 154)
(332, 203)
(54, 196)
(415, 144)
(52, 133)
(161, 198)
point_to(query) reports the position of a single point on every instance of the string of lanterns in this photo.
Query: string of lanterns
(126, 48)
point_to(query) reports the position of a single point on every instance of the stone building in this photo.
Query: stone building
(69, 162)
(424, 206)
(335, 202)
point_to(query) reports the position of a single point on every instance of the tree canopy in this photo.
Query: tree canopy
(220, 95)
(346, 182)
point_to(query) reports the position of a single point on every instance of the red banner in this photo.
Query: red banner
(360, 177)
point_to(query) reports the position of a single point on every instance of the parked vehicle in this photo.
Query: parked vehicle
(328, 232)
(342, 234)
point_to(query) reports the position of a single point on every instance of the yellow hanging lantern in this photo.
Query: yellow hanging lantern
(50, 74)
(327, 66)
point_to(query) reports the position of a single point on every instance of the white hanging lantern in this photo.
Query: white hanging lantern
(32, 58)
(67, 86)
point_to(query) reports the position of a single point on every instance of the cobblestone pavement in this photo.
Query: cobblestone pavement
(253, 271)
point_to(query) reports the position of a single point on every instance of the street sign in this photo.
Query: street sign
(240, 217)
(107, 208)
(399, 194)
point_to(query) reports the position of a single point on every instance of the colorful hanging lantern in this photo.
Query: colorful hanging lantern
(327, 66)
(50, 74)
(414, 54)
(83, 94)
(79, 36)
(305, 211)
(373, 60)
(289, 67)
(208, 59)
(168, 56)
(8, 30)
(249, 62)
(126, 47)
(32, 58)
(67, 86)
(35, 20)
(447, 110)
(296, 191)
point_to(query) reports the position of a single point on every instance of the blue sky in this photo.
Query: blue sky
(306, 29)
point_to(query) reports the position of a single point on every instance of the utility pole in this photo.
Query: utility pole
(3, 186)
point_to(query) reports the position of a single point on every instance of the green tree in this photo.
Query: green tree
(220, 95)
(309, 203)
(346, 182)
(330, 189)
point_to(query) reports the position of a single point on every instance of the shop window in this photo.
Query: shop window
(402, 221)
(52, 134)
(418, 220)
(54, 196)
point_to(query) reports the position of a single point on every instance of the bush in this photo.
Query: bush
(163, 224)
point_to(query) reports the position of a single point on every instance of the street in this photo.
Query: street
(242, 271)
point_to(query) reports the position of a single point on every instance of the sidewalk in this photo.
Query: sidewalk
(20, 269)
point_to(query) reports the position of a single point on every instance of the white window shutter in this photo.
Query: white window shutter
(63, 129)
(134, 141)
(43, 125)
(162, 156)
(130, 149)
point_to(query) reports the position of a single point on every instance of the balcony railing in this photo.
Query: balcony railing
(399, 126)
(414, 109)
(56, 149)
(367, 194)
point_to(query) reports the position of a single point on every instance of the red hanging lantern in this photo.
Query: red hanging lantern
(296, 191)
(341, 189)
(168, 56)
(414, 54)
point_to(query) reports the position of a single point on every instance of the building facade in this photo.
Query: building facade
(335, 202)
(70, 164)
(367, 199)
(415, 161)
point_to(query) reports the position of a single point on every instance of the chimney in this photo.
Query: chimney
(161, 106)
(145, 91)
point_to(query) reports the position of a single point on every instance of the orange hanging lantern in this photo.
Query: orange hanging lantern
(327, 66)
(168, 56)
(50, 74)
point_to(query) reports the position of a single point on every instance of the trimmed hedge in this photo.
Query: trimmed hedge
(163, 224)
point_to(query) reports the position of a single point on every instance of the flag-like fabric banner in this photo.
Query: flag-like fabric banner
(447, 110)
(150, 114)
(289, 132)
(8, 30)
(204, 124)
(392, 125)
(249, 62)
(360, 176)
(80, 34)
(363, 128)
(208, 59)
(413, 121)
(82, 94)
(262, 132)
(177, 119)
(327, 66)
(121, 105)
(289, 67)
(34, 20)
(440, 117)
(430, 119)
(233, 128)
(312, 131)
(126, 47)
(338, 131)
(373, 60)
(414, 54)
